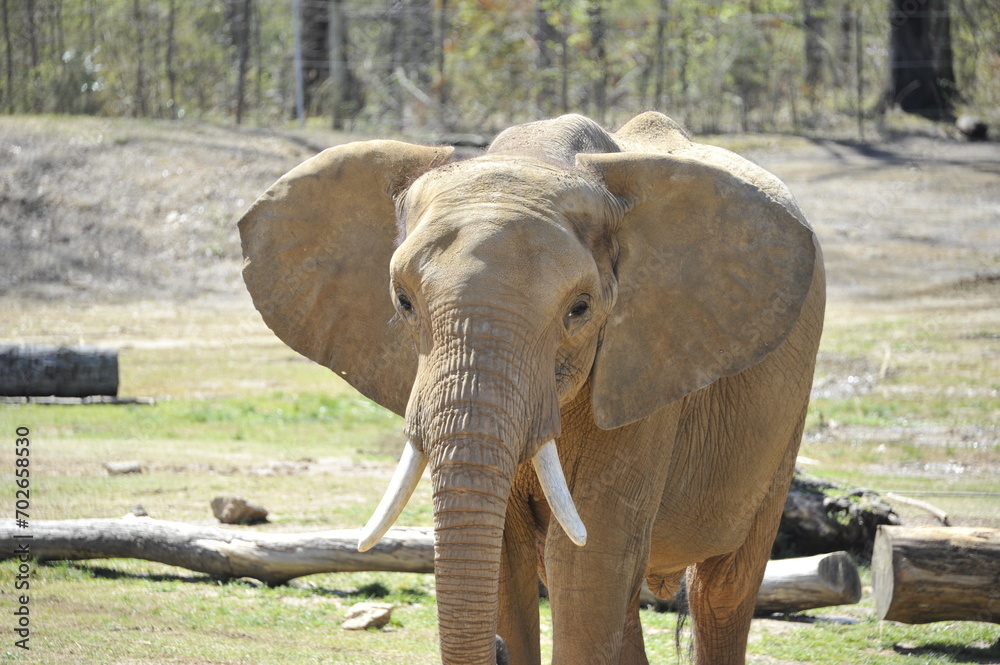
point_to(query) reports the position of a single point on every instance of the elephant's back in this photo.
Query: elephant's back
(560, 139)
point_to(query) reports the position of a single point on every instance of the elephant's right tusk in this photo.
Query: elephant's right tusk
(404, 481)
(550, 475)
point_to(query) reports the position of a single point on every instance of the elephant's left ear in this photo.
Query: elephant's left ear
(712, 273)
(316, 249)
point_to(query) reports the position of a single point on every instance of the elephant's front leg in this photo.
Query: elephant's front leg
(616, 479)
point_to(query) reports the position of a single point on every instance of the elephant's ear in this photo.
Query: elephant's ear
(712, 273)
(316, 250)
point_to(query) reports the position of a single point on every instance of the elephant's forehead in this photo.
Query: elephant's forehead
(481, 244)
(494, 239)
(497, 218)
(506, 180)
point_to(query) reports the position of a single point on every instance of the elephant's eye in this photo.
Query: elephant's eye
(578, 314)
(404, 304)
(580, 307)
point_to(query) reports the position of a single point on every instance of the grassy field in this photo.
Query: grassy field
(906, 398)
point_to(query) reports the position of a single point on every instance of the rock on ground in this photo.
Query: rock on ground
(237, 510)
(367, 615)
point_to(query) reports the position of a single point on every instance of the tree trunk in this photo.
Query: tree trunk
(9, 90)
(393, 48)
(43, 370)
(545, 34)
(599, 94)
(814, 18)
(315, 52)
(169, 60)
(268, 557)
(338, 66)
(298, 73)
(921, 76)
(659, 69)
(441, 28)
(240, 26)
(29, 20)
(418, 29)
(922, 575)
(139, 104)
(564, 68)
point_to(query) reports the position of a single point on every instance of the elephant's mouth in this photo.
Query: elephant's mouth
(412, 464)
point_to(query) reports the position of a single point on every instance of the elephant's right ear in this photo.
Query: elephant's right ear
(316, 250)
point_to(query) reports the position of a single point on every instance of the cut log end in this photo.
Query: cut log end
(923, 575)
(824, 580)
(794, 585)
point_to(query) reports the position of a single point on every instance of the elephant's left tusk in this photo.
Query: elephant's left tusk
(550, 475)
(404, 481)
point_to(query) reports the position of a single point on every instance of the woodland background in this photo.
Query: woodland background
(481, 65)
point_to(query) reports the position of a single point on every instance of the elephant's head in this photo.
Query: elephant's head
(478, 297)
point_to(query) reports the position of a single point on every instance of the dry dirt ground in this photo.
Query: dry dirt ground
(107, 209)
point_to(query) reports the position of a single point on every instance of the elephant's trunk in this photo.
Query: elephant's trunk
(476, 406)
(472, 479)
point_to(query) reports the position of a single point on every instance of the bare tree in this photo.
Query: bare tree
(9, 85)
(240, 12)
(814, 20)
(29, 24)
(139, 104)
(921, 74)
(441, 30)
(660, 64)
(595, 20)
(546, 35)
(336, 36)
(169, 59)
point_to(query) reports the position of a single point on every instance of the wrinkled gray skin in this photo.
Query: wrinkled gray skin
(655, 312)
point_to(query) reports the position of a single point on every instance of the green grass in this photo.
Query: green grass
(266, 419)
(130, 612)
(248, 416)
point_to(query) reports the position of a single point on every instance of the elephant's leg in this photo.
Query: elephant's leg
(722, 591)
(633, 646)
(617, 481)
(518, 598)
(590, 598)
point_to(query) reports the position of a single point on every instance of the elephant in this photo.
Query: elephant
(602, 345)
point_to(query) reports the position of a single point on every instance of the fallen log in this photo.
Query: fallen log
(816, 581)
(226, 553)
(41, 370)
(820, 516)
(922, 575)
(794, 585)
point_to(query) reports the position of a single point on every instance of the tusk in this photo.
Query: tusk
(550, 475)
(404, 481)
